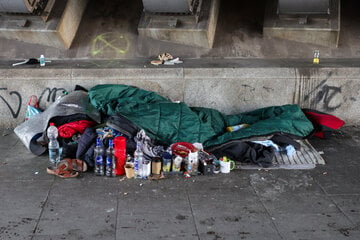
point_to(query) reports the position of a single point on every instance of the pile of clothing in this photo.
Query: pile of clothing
(127, 110)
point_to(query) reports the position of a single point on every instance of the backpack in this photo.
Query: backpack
(125, 127)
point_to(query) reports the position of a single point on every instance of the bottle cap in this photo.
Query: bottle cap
(52, 124)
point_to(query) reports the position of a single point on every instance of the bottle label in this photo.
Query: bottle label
(42, 60)
(109, 169)
(54, 155)
(109, 161)
(99, 160)
(136, 165)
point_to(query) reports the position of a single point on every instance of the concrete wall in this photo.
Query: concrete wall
(58, 31)
(70, 21)
(230, 90)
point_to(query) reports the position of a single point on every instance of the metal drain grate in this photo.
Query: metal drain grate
(306, 158)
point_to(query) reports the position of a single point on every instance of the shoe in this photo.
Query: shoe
(68, 168)
(62, 173)
(165, 57)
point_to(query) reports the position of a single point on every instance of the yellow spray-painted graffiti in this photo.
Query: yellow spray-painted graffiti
(110, 45)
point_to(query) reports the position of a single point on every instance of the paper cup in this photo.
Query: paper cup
(156, 167)
(129, 170)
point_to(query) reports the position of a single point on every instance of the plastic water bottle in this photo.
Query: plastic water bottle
(110, 160)
(138, 161)
(99, 158)
(42, 60)
(54, 147)
(193, 163)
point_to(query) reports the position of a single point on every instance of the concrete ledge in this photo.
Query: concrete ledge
(229, 85)
(182, 29)
(59, 31)
(128, 73)
(320, 31)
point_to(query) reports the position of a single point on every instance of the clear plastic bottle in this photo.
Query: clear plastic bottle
(193, 163)
(53, 146)
(166, 161)
(110, 160)
(42, 60)
(99, 158)
(138, 161)
(316, 58)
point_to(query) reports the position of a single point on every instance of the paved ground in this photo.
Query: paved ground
(322, 203)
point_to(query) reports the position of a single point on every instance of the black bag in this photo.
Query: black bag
(125, 127)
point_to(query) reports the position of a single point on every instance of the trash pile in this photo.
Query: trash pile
(115, 130)
(166, 59)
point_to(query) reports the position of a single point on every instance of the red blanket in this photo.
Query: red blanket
(69, 129)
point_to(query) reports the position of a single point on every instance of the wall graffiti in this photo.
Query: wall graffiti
(14, 113)
(48, 95)
(325, 95)
(51, 94)
(110, 44)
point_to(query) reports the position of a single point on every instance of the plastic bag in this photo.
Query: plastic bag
(32, 107)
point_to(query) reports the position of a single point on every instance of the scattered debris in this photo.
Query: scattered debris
(110, 210)
(173, 61)
(166, 59)
(156, 62)
(27, 61)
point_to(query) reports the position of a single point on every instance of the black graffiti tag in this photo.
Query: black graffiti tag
(15, 114)
(324, 94)
(51, 94)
